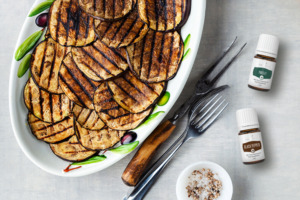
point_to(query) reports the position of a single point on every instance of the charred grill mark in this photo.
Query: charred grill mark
(109, 109)
(119, 117)
(59, 132)
(161, 52)
(75, 79)
(135, 87)
(150, 88)
(107, 58)
(60, 107)
(68, 22)
(70, 105)
(156, 15)
(51, 106)
(142, 56)
(30, 97)
(43, 60)
(120, 87)
(94, 5)
(77, 25)
(104, 7)
(95, 60)
(87, 26)
(107, 28)
(174, 11)
(151, 53)
(58, 20)
(118, 54)
(170, 57)
(87, 117)
(113, 9)
(72, 90)
(88, 66)
(52, 66)
(128, 31)
(137, 35)
(166, 13)
(146, 10)
(41, 105)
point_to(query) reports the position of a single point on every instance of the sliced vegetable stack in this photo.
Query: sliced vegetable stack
(99, 72)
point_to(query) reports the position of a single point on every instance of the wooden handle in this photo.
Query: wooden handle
(141, 159)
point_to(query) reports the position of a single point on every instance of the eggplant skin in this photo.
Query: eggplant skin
(134, 95)
(71, 150)
(44, 105)
(87, 118)
(100, 62)
(97, 140)
(113, 115)
(107, 9)
(45, 63)
(51, 132)
(123, 32)
(162, 15)
(75, 84)
(69, 25)
(157, 57)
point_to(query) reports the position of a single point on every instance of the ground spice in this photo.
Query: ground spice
(204, 185)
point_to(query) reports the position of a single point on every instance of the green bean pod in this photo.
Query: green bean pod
(24, 65)
(40, 8)
(125, 148)
(28, 44)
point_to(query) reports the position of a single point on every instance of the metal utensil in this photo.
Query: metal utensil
(199, 121)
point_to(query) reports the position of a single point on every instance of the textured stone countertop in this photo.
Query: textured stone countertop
(279, 112)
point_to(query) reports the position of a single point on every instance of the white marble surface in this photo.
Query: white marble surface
(279, 112)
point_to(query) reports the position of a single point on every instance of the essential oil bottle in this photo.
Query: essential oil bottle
(250, 138)
(264, 63)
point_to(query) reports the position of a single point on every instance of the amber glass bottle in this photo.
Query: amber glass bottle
(264, 63)
(251, 144)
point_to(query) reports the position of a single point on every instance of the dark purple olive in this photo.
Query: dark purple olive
(42, 20)
(128, 137)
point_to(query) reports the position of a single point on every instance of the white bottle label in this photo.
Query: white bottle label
(252, 147)
(261, 74)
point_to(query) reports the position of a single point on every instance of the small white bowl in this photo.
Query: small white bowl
(182, 181)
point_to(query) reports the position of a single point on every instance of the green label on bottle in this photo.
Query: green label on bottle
(262, 73)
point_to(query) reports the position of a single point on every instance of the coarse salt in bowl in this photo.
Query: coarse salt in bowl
(220, 173)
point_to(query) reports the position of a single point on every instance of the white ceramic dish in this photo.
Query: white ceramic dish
(39, 152)
(182, 181)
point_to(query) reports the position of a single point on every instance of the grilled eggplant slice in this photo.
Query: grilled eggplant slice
(51, 132)
(45, 63)
(134, 95)
(162, 15)
(87, 118)
(69, 25)
(46, 106)
(75, 84)
(100, 62)
(113, 115)
(97, 140)
(123, 32)
(107, 9)
(157, 57)
(71, 150)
